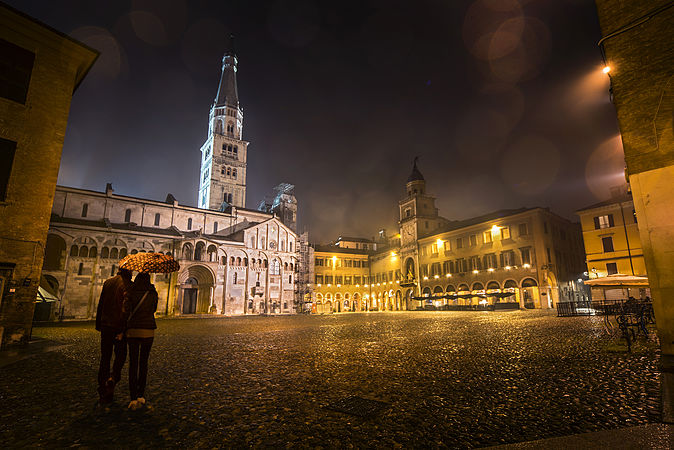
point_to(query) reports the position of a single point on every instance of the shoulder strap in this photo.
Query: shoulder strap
(137, 306)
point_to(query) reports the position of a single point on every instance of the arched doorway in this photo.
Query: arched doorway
(55, 252)
(399, 300)
(190, 291)
(196, 285)
(530, 293)
(437, 290)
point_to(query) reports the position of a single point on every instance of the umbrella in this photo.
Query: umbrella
(150, 263)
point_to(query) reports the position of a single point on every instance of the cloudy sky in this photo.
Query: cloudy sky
(503, 101)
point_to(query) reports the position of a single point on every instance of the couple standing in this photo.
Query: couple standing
(125, 315)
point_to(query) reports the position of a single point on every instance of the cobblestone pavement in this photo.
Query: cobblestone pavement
(459, 379)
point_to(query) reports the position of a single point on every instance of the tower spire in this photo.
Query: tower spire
(228, 93)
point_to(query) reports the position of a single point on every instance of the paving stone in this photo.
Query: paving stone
(451, 379)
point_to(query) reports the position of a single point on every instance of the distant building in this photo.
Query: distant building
(531, 252)
(341, 279)
(40, 69)
(357, 243)
(611, 237)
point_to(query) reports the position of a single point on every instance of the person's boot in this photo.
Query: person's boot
(109, 390)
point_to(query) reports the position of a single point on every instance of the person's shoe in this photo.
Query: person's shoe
(141, 401)
(133, 405)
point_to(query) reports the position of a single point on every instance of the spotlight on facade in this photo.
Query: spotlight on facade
(436, 276)
(339, 285)
(439, 243)
(491, 269)
(526, 266)
(319, 285)
(393, 254)
(508, 267)
(476, 271)
(448, 275)
(606, 69)
(425, 278)
(494, 230)
(329, 284)
(358, 285)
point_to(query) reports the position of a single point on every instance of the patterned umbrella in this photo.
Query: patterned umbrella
(150, 263)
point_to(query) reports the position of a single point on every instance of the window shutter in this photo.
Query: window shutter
(610, 220)
(596, 223)
(501, 260)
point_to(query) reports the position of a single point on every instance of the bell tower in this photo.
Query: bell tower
(418, 214)
(224, 155)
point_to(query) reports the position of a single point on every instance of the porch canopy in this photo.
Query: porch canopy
(618, 280)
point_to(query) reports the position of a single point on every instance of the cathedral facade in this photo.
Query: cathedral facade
(233, 260)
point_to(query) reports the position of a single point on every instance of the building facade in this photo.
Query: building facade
(531, 253)
(611, 237)
(41, 68)
(236, 262)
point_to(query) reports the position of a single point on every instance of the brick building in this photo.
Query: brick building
(39, 70)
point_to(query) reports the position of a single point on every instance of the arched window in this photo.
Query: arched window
(238, 261)
(85, 209)
(236, 276)
(229, 198)
(283, 245)
(105, 252)
(199, 251)
(187, 251)
(291, 266)
(265, 264)
(127, 216)
(234, 173)
(55, 251)
(231, 261)
(74, 250)
(285, 266)
(114, 254)
(215, 227)
(189, 223)
(122, 253)
(245, 262)
(223, 260)
(236, 149)
(275, 268)
(84, 251)
(92, 252)
(290, 244)
(134, 251)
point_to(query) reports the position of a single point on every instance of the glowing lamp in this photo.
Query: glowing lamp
(425, 278)
(526, 266)
(448, 275)
(606, 69)
(508, 267)
(476, 271)
(491, 269)
(393, 254)
(436, 277)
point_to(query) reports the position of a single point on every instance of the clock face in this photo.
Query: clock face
(408, 234)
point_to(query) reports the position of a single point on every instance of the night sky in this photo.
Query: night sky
(503, 100)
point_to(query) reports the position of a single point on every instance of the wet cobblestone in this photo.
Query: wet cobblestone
(452, 379)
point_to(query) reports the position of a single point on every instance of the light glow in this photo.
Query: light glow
(491, 269)
(476, 271)
(606, 69)
(508, 267)
(526, 266)
(448, 275)
(425, 278)
(436, 277)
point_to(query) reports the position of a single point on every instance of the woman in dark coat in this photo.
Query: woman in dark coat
(140, 306)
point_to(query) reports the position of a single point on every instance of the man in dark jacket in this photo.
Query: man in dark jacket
(110, 322)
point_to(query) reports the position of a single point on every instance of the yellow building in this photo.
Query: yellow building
(341, 278)
(611, 237)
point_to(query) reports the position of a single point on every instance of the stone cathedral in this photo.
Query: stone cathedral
(233, 260)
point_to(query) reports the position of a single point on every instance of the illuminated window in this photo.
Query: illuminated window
(505, 232)
(605, 221)
(319, 261)
(328, 279)
(487, 236)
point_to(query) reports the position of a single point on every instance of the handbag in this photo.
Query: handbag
(136, 308)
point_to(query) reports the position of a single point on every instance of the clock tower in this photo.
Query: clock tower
(418, 214)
